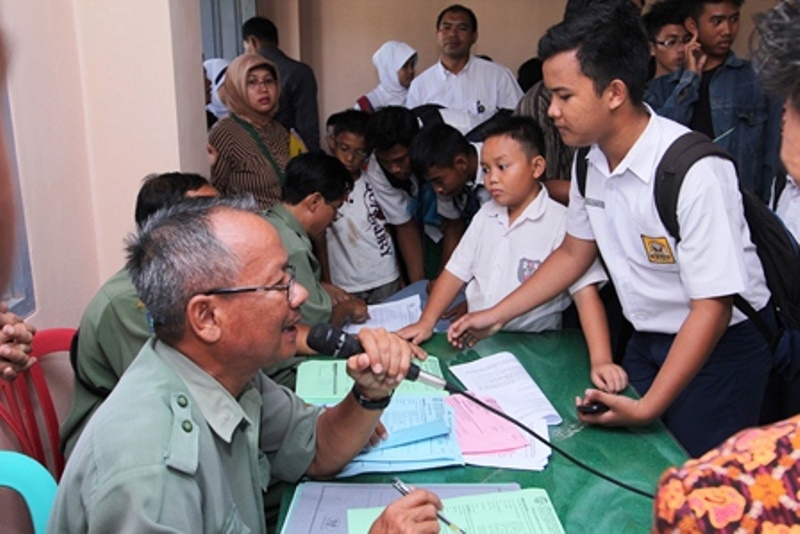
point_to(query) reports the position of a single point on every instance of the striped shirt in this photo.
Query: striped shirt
(241, 165)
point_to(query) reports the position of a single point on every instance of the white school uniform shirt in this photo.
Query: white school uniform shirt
(360, 249)
(480, 88)
(495, 258)
(788, 208)
(656, 278)
(445, 205)
(397, 204)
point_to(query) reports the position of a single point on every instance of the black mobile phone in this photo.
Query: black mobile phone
(593, 408)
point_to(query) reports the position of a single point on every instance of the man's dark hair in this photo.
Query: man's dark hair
(522, 129)
(458, 8)
(390, 126)
(350, 120)
(164, 190)
(610, 42)
(777, 54)
(262, 29)
(661, 14)
(437, 146)
(315, 172)
(694, 8)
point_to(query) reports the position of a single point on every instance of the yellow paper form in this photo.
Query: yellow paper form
(527, 511)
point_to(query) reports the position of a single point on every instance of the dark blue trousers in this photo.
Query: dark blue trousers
(726, 394)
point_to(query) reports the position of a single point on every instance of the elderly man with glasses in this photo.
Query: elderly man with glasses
(193, 433)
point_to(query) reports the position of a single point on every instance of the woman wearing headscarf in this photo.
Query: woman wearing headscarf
(395, 62)
(252, 149)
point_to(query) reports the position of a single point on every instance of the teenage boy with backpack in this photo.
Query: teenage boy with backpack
(699, 364)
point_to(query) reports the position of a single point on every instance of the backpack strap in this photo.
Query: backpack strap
(684, 152)
(581, 168)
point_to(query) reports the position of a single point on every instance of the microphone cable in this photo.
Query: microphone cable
(559, 450)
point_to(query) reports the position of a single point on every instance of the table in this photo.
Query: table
(559, 363)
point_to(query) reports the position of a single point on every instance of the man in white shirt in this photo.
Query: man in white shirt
(460, 80)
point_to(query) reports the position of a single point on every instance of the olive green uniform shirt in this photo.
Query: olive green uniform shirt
(318, 306)
(112, 331)
(171, 450)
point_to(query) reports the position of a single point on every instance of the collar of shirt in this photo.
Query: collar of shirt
(444, 73)
(640, 159)
(279, 211)
(222, 412)
(533, 211)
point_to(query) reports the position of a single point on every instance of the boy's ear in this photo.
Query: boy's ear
(331, 142)
(460, 162)
(652, 48)
(616, 94)
(539, 165)
(313, 201)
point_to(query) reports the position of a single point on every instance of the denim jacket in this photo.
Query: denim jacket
(746, 122)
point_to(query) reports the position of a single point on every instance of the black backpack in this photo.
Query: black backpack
(776, 247)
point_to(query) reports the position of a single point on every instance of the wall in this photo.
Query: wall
(101, 94)
(338, 37)
(104, 92)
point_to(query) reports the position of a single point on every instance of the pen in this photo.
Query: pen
(405, 490)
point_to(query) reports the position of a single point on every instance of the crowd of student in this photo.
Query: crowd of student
(431, 185)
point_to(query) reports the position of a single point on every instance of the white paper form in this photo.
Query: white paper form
(503, 378)
(390, 315)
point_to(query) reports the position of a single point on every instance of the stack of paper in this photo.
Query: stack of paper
(390, 315)
(527, 511)
(502, 378)
(426, 431)
(421, 426)
(421, 436)
(323, 506)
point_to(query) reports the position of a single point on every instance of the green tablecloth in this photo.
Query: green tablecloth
(559, 364)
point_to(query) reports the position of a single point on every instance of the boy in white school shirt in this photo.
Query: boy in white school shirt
(507, 240)
(699, 364)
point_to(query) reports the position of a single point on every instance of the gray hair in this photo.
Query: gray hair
(176, 256)
(777, 52)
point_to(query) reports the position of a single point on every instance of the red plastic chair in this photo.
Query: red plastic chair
(17, 407)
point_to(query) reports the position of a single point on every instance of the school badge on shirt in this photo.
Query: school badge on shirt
(526, 268)
(658, 249)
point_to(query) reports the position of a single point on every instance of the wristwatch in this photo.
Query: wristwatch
(370, 404)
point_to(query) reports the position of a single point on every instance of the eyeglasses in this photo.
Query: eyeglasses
(290, 270)
(674, 41)
(255, 82)
(336, 214)
(346, 150)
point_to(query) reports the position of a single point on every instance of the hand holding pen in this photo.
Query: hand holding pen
(405, 490)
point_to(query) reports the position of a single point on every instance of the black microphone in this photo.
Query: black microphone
(327, 339)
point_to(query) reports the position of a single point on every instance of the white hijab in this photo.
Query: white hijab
(388, 59)
(214, 68)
